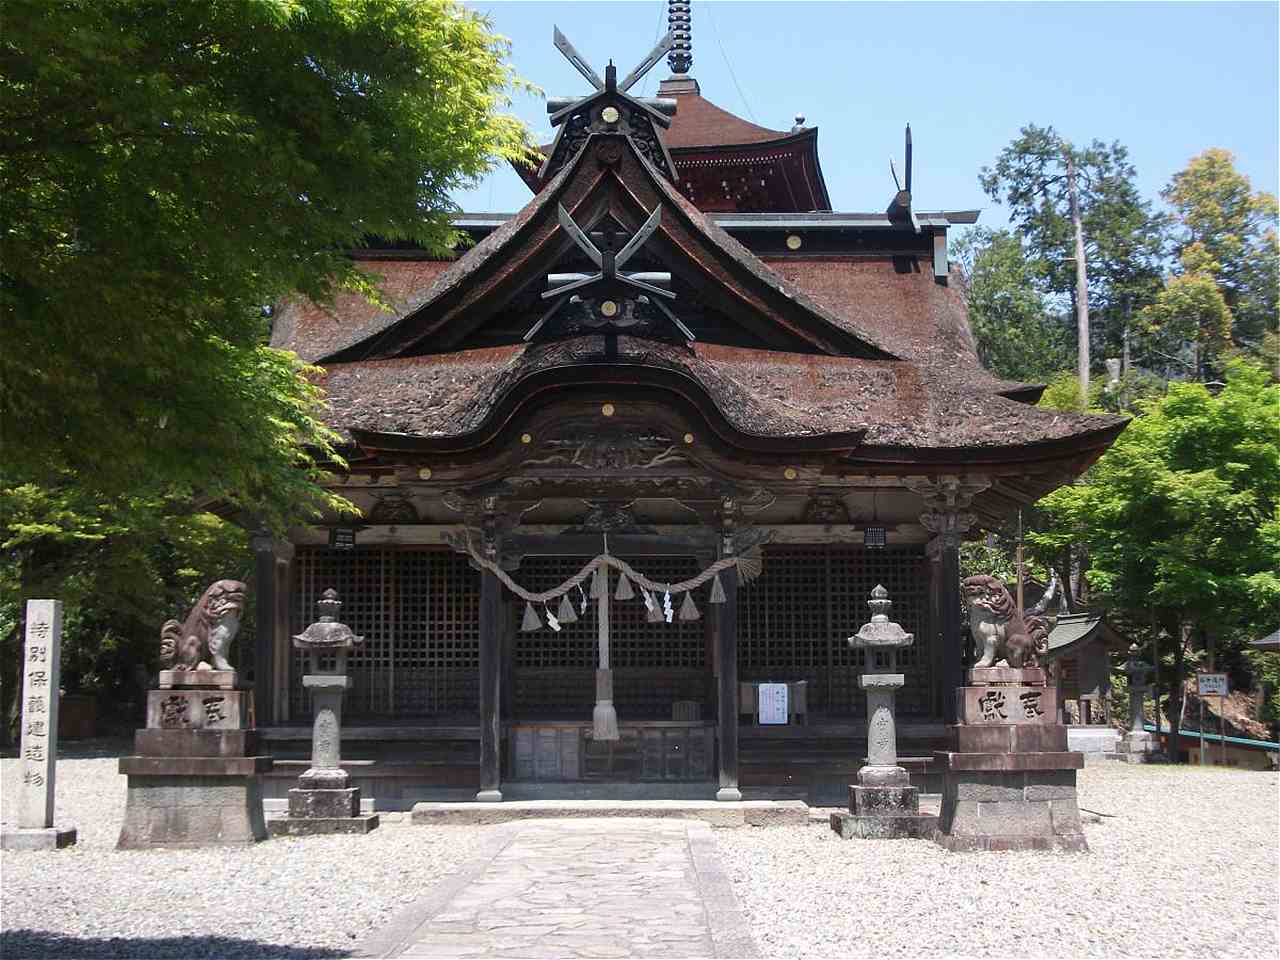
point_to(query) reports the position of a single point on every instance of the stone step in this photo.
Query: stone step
(743, 813)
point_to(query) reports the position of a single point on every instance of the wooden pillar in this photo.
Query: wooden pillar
(284, 554)
(490, 687)
(727, 698)
(265, 636)
(946, 501)
(934, 633)
(949, 607)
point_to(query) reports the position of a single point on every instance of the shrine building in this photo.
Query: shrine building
(677, 353)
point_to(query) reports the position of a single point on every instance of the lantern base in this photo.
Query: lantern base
(316, 826)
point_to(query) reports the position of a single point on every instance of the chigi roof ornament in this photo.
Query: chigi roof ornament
(609, 109)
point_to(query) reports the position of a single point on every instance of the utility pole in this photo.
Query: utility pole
(1082, 279)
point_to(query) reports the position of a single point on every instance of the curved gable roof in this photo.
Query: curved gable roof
(520, 251)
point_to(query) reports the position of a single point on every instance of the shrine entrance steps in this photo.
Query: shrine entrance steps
(578, 888)
(742, 813)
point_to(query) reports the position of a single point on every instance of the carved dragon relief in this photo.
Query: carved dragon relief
(590, 450)
(393, 508)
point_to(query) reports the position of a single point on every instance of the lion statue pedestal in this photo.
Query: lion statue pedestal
(1009, 781)
(196, 778)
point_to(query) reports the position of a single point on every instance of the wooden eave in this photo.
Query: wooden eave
(796, 155)
(623, 380)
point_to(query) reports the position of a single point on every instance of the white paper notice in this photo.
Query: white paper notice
(773, 703)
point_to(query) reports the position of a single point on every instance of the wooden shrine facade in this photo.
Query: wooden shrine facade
(417, 609)
(616, 361)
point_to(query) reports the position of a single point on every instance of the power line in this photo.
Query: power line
(732, 76)
(662, 15)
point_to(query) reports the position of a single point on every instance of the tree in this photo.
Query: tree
(1018, 337)
(121, 567)
(1228, 237)
(1190, 311)
(166, 170)
(1181, 517)
(1108, 237)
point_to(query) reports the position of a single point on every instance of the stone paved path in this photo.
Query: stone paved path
(579, 888)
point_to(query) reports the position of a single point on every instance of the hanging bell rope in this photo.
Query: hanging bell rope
(604, 719)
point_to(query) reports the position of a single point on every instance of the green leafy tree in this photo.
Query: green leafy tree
(121, 568)
(1181, 517)
(1018, 337)
(1228, 237)
(1123, 238)
(1189, 322)
(166, 170)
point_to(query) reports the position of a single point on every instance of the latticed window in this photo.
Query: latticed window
(794, 622)
(417, 610)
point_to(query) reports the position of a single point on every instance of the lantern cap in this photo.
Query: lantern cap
(327, 633)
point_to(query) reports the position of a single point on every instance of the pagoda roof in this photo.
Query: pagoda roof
(704, 135)
(699, 123)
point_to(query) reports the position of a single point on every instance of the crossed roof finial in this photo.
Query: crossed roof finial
(580, 64)
(609, 109)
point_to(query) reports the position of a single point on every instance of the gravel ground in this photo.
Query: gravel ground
(1186, 866)
(289, 898)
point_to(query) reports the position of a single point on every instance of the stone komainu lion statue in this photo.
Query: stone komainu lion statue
(208, 631)
(1000, 630)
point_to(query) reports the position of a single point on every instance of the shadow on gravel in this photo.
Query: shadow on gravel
(15, 944)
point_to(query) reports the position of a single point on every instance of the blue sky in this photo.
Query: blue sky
(1166, 79)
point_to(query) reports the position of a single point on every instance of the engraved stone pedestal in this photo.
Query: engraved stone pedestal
(322, 802)
(196, 778)
(1010, 782)
(883, 805)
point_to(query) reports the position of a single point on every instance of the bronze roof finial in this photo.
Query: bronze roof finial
(679, 22)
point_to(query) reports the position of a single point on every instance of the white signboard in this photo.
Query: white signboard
(1212, 684)
(773, 702)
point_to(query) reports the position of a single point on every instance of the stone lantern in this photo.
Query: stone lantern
(883, 804)
(1138, 745)
(322, 802)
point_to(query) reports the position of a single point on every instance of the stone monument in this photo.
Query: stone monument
(1009, 783)
(1138, 745)
(41, 674)
(322, 802)
(883, 804)
(196, 778)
